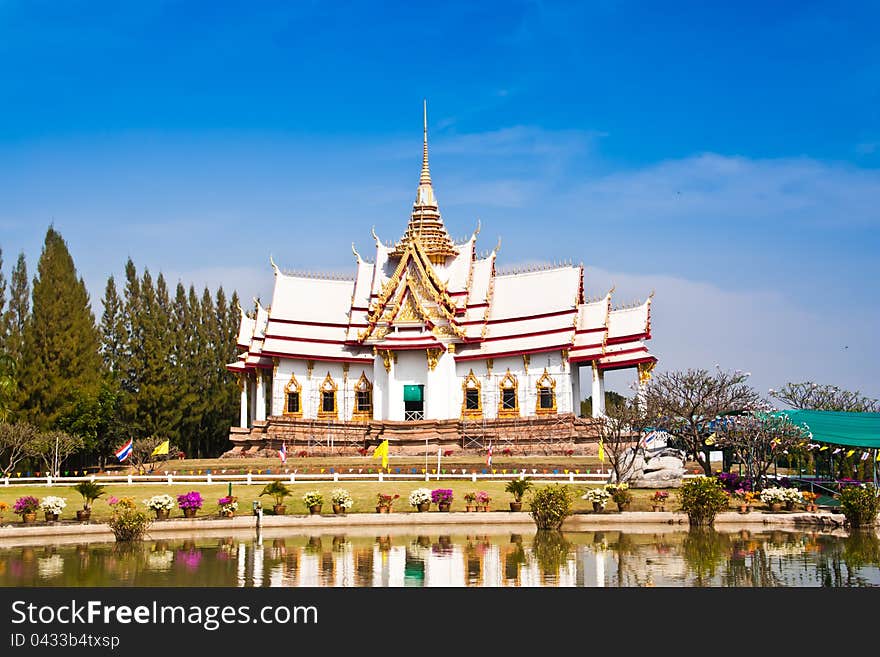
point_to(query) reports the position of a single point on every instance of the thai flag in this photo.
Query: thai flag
(125, 451)
(489, 456)
(282, 453)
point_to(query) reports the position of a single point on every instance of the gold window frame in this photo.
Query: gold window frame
(292, 386)
(327, 385)
(508, 382)
(363, 385)
(544, 383)
(471, 382)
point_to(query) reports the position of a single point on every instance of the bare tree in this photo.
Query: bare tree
(14, 440)
(53, 448)
(684, 403)
(812, 396)
(141, 450)
(620, 429)
(757, 439)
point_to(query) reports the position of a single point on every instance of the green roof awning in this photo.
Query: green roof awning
(412, 393)
(840, 427)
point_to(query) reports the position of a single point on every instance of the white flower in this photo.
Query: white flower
(341, 497)
(597, 495)
(53, 504)
(774, 495)
(162, 502)
(312, 498)
(420, 496)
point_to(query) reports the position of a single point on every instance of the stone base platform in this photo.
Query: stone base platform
(537, 434)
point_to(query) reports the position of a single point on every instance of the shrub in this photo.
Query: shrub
(90, 491)
(128, 524)
(620, 493)
(860, 505)
(550, 506)
(701, 499)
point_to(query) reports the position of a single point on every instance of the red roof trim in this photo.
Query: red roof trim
(587, 346)
(524, 318)
(592, 330)
(502, 354)
(305, 323)
(625, 351)
(335, 359)
(527, 335)
(627, 338)
(318, 340)
(627, 363)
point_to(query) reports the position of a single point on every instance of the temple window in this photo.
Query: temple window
(328, 397)
(363, 399)
(471, 405)
(546, 394)
(508, 405)
(293, 397)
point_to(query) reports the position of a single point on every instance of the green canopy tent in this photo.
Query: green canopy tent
(841, 428)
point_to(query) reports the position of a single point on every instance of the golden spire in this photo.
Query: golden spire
(425, 177)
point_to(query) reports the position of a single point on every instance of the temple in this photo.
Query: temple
(428, 342)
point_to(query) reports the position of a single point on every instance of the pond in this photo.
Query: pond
(465, 557)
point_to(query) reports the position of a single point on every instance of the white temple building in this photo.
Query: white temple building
(427, 339)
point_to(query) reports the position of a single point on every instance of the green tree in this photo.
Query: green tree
(18, 311)
(61, 340)
(611, 398)
(113, 337)
(95, 419)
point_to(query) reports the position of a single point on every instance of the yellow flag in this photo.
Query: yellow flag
(851, 452)
(161, 448)
(710, 440)
(382, 450)
(601, 451)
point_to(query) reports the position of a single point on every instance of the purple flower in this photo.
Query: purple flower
(190, 500)
(441, 495)
(26, 504)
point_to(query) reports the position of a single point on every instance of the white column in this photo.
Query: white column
(261, 398)
(598, 391)
(575, 389)
(243, 419)
(641, 390)
(253, 399)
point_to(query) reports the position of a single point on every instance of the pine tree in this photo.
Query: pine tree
(18, 311)
(112, 330)
(61, 340)
(3, 316)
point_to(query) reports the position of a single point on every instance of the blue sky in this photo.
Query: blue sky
(726, 156)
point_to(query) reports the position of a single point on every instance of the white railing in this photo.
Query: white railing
(294, 477)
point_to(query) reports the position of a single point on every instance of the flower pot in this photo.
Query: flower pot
(161, 514)
(622, 506)
(516, 506)
(315, 509)
(597, 507)
(812, 508)
(83, 514)
(775, 507)
(482, 508)
(338, 508)
(279, 509)
(51, 517)
(658, 507)
(469, 507)
(227, 514)
(443, 506)
(744, 508)
(189, 513)
(29, 517)
(383, 509)
(424, 506)
(789, 506)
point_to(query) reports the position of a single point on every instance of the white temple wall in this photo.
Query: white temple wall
(442, 390)
(380, 389)
(310, 398)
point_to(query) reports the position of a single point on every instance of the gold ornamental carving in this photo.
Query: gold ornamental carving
(645, 371)
(433, 355)
(386, 359)
(526, 360)
(310, 367)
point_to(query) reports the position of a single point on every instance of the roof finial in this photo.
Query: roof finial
(425, 177)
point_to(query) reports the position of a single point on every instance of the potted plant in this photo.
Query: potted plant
(483, 500)
(550, 506)
(161, 504)
(190, 503)
(517, 488)
(744, 499)
(774, 498)
(4, 507)
(470, 501)
(659, 500)
(420, 498)
(313, 501)
(442, 497)
(278, 491)
(701, 499)
(26, 507)
(228, 506)
(341, 500)
(860, 505)
(793, 497)
(810, 498)
(90, 492)
(621, 495)
(384, 502)
(52, 505)
(598, 497)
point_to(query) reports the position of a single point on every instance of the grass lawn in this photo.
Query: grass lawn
(364, 494)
